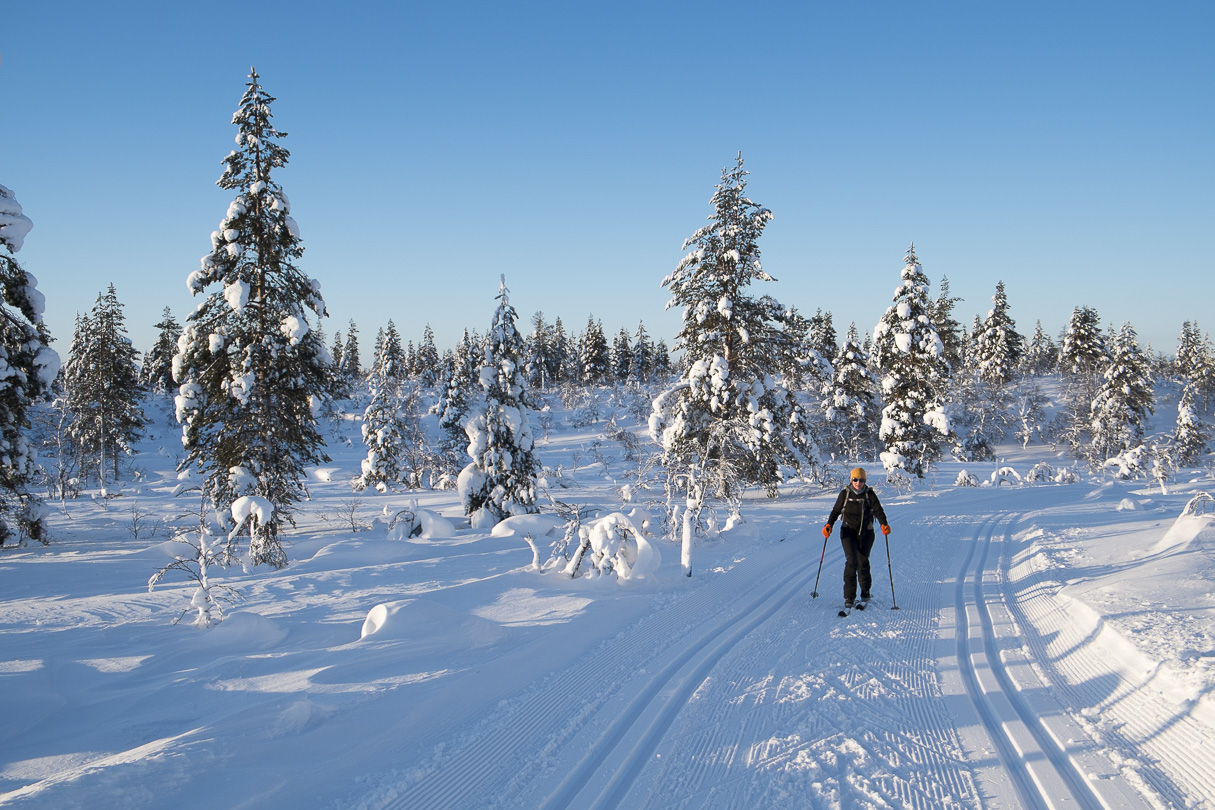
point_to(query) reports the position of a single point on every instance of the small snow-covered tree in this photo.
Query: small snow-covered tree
(1124, 400)
(1083, 358)
(730, 421)
(909, 355)
(501, 479)
(156, 373)
(28, 367)
(253, 373)
(102, 390)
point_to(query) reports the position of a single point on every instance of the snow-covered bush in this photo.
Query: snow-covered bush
(615, 544)
(1005, 475)
(1040, 473)
(965, 479)
(209, 598)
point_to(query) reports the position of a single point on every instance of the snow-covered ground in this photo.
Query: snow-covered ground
(1053, 646)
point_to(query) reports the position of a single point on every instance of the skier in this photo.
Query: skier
(858, 505)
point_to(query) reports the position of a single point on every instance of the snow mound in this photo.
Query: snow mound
(428, 628)
(523, 525)
(246, 632)
(424, 525)
(1186, 529)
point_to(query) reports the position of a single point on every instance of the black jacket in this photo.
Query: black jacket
(858, 509)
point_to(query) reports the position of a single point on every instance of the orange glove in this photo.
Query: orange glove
(885, 529)
(826, 530)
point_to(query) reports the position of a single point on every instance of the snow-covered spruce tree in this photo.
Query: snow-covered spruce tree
(622, 356)
(156, 372)
(559, 355)
(501, 479)
(350, 370)
(1083, 358)
(539, 359)
(998, 346)
(663, 367)
(1041, 355)
(950, 331)
(390, 361)
(28, 367)
(981, 396)
(1194, 364)
(382, 428)
(850, 405)
(102, 390)
(253, 374)
(641, 364)
(731, 421)
(1191, 434)
(910, 357)
(821, 334)
(428, 359)
(594, 355)
(1124, 400)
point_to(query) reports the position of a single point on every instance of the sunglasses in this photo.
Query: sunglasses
(862, 480)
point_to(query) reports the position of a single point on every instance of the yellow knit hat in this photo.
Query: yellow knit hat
(859, 472)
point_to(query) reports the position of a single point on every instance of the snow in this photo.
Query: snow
(1052, 640)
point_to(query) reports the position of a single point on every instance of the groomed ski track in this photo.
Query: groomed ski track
(747, 692)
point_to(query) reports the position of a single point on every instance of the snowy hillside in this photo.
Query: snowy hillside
(1053, 646)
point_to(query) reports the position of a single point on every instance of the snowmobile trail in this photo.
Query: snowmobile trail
(1047, 759)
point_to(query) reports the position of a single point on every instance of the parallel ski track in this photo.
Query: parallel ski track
(1041, 764)
(482, 770)
(1132, 715)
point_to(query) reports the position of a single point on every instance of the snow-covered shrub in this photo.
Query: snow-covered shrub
(1066, 475)
(207, 551)
(965, 479)
(1005, 475)
(616, 544)
(1040, 473)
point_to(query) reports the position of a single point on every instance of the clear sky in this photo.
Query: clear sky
(1062, 147)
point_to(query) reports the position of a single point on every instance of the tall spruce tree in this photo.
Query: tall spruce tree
(731, 421)
(1191, 434)
(253, 372)
(500, 481)
(428, 359)
(28, 367)
(641, 364)
(594, 354)
(910, 356)
(102, 389)
(156, 373)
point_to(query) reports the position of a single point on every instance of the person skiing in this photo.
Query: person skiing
(858, 505)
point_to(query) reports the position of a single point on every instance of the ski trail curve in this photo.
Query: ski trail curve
(1163, 746)
(1046, 757)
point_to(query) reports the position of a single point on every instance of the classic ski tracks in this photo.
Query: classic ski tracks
(551, 718)
(1049, 760)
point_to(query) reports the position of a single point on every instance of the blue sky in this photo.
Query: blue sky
(1064, 148)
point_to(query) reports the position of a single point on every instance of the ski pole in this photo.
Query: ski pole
(814, 593)
(890, 569)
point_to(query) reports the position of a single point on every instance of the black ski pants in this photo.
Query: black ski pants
(856, 560)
